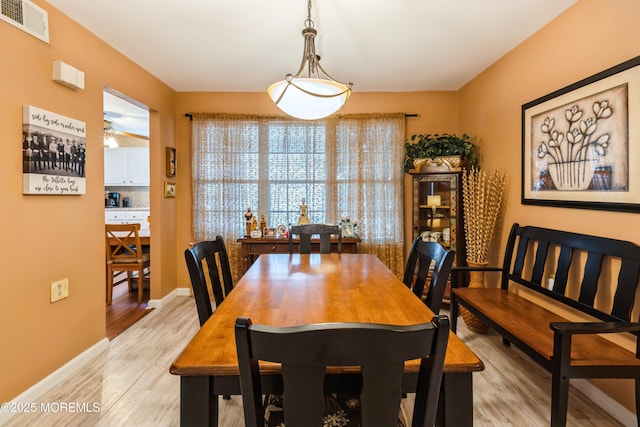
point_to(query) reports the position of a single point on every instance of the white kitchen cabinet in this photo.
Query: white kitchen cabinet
(126, 166)
(127, 217)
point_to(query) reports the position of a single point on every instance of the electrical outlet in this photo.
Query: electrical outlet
(59, 289)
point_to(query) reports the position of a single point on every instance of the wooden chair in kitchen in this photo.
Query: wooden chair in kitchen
(208, 265)
(429, 265)
(125, 253)
(305, 352)
(306, 231)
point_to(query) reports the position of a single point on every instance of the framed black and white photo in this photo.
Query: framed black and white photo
(53, 153)
(578, 142)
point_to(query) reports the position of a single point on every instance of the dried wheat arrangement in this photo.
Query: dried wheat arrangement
(482, 198)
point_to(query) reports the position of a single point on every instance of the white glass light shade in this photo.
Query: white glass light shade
(308, 98)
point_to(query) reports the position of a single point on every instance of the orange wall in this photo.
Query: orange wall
(591, 36)
(46, 238)
(436, 113)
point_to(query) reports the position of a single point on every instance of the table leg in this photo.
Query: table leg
(455, 406)
(197, 406)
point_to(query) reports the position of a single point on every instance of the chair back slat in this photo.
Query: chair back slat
(518, 266)
(304, 397)
(562, 270)
(541, 258)
(589, 285)
(625, 293)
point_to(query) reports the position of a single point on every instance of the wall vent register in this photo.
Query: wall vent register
(26, 16)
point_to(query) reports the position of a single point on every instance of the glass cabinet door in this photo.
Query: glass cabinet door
(437, 210)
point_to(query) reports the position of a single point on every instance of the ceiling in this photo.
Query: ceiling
(126, 118)
(379, 45)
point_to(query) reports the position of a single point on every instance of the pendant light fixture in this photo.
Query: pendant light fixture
(311, 93)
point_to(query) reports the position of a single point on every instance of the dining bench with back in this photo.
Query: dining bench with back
(587, 271)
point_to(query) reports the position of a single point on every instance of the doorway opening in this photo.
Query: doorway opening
(127, 197)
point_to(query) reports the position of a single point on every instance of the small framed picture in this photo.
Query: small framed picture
(348, 229)
(269, 232)
(170, 161)
(169, 189)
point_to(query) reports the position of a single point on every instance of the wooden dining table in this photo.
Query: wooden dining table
(287, 290)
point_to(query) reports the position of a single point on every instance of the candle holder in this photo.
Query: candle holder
(434, 202)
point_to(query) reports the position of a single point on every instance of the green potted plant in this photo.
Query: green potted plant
(440, 152)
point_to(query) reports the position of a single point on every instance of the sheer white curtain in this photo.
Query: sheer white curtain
(350, 165)
(367, 183)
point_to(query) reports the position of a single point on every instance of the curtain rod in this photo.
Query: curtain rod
(190, 115)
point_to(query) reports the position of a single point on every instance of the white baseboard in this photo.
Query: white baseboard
(612, 407)
(65, 371)
(177, 292)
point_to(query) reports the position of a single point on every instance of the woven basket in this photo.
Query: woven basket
(473, 323)
(476, 280)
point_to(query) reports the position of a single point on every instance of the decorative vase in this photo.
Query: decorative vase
(476, 280)
(574, 175)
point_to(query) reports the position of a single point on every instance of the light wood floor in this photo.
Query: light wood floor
(132, 386)
(124, 310)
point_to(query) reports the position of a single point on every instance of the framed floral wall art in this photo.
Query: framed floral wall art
(579, 142)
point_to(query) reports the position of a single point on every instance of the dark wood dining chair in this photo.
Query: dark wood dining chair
(125, 253)
(208, 265)
(428, 262)
(306, 351)
(306, 231)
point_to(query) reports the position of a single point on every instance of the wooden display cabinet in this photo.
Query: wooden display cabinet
(437, 210)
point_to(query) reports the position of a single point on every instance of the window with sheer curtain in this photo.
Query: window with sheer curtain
(349, 165)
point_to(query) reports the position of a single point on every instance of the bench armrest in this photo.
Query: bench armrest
(593, 327)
